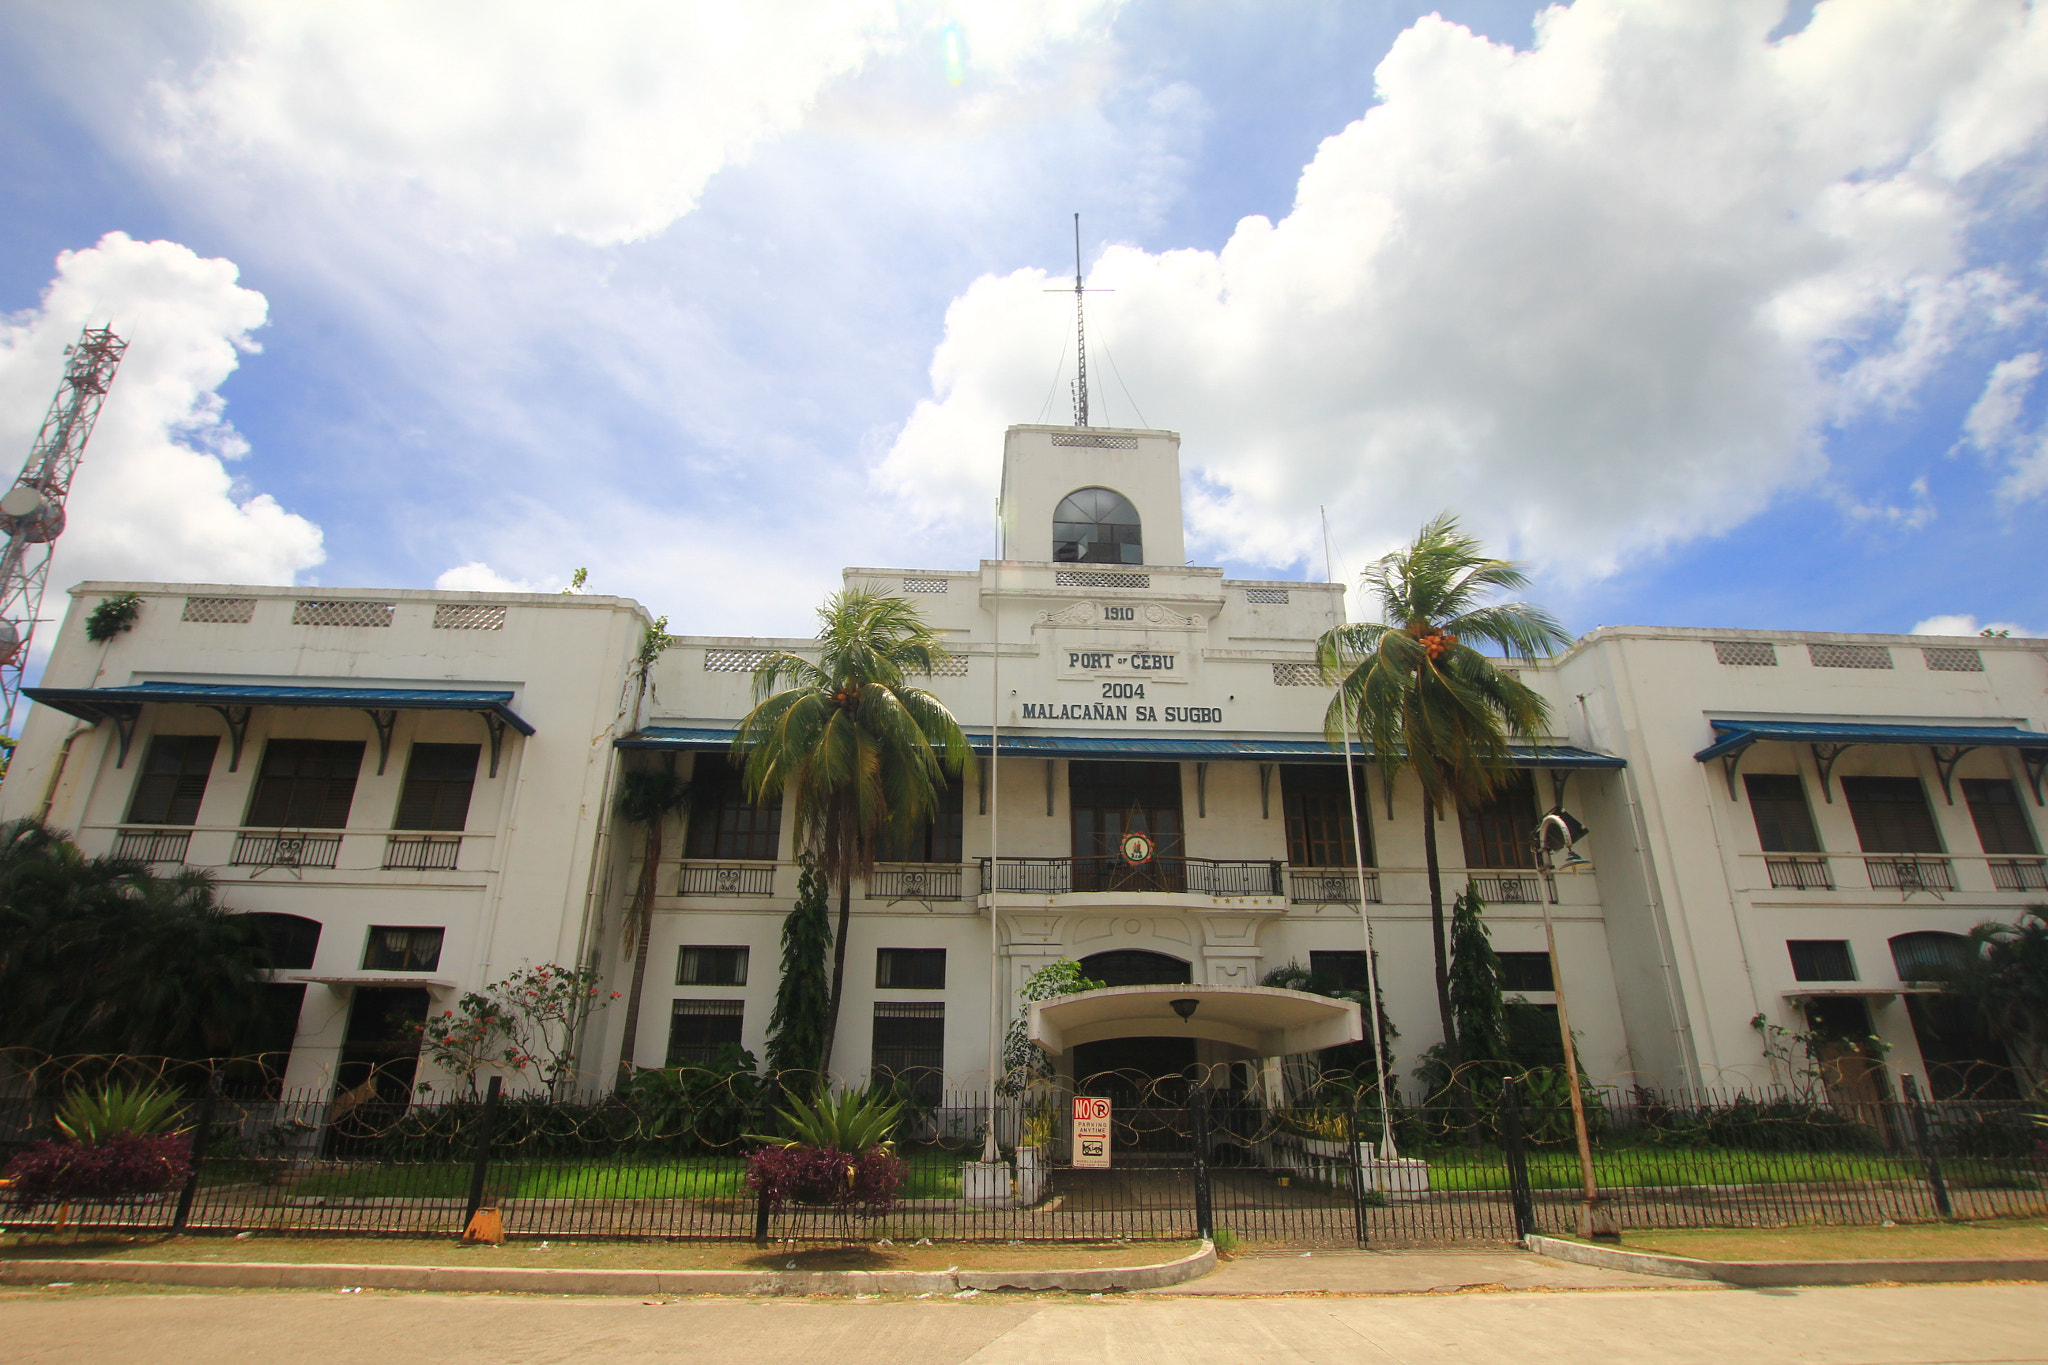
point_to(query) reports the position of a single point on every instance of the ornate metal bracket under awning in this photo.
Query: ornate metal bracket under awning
(1268, 1021)
(233, 701)
(1829, 739)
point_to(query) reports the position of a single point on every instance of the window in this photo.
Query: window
(699, 1030)
(1820, 959)
(438, 781)
(938, 840)
(910, 1046)
(292, 939)
(2000, 819)
(1784, 822)
(1497, 832)
(173, 780)
(723, 823)
(1929, 955)
(1525, 972)
(1340, 971)
(910, 969)
(711, 967)
(1891, 815)
(1319, 815)
(402, 950)
(1096, 526)
(306, 783)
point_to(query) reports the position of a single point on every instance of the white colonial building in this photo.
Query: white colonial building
(1784, 827)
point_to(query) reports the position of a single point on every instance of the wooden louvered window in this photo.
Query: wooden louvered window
(1319, 815)
(438, 781)
(306, 784)
(173, 780)
(1498, 832)
(1891, 815)
(2000, 818)
(1784, 822)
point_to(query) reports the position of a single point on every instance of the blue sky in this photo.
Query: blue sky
(1719, 314)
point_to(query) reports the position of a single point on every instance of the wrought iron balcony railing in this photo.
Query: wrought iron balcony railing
(1511, 889)
(727, 879)
(1911, 874)
(1331, 885)
(1171, 876)
(153, 845)
(915, 882)
(1801, 874)
(421, 852)
(2019, 874)
(285, 849)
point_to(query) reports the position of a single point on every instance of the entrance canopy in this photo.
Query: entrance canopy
(1269, 1022)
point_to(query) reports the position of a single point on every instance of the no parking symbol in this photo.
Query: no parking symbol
(1091, 1132)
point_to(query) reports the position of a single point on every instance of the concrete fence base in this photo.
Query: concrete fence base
(1788, 1274)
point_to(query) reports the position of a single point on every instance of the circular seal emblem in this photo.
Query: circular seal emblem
(1136, 847)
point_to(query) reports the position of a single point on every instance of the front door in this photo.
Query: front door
(1127, 826)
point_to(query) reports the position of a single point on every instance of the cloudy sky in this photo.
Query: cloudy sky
(1723, 313)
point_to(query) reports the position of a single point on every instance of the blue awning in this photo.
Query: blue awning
(1734, 735)
(103, 703)
(1032, 743)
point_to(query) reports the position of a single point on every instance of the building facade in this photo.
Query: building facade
(1785, 827)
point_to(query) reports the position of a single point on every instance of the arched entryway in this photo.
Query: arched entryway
(1125, 1068)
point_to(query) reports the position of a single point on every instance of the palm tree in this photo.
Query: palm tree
(1420, 697)
(865, 755)
(647, 797)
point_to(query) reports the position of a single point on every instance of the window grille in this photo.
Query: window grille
(1525, 972)
(285, 850)
(1800, 874)
(1098, 442)
(1747, 653)
(1273, 596)
(1849, 656)
(910, 1046)
(220, 611)
(735, 660)
(1508, 890)
(421, 853)
(955, 667)
(924, 585)
(468, 616)
(699, 1030)
(333, 613)
(1820, 959)
(1330, 886)
(1929, 954)
(1080, 578)
(2019, 875)
(1943, 659)
(1298, 675)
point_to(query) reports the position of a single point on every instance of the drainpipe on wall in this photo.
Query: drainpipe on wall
(57, 773)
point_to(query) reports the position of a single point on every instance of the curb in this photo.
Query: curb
(756, 1283)
(1790, 1274)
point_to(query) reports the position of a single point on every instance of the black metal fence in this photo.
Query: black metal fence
(1478, 1168)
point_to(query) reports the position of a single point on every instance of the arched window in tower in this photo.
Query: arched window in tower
(1096, 526)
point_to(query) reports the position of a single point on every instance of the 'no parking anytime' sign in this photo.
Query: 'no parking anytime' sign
(1091, 1132)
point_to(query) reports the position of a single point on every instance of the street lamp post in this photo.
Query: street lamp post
(1595, 1221)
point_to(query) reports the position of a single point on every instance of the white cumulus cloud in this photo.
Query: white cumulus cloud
(155, 497)
(1998, 429)
(1966, 625)
(1601, 296)
(523, 116)
(477, 576)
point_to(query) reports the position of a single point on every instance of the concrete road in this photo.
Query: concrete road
(1915, 1325)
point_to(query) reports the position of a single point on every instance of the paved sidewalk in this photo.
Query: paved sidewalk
(1403, 1272)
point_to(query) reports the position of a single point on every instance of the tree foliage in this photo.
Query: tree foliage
(2003, 980)
(1023, 1060)
(1476, 1004)
(863, 754)
(796, 1030)
(648, 797)
(100, 955)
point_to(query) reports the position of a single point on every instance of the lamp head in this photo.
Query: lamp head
(1573, 862)
(1184, 1008)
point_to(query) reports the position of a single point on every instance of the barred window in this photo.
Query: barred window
(1784, 822)
(173, 780)
(1929, 954)
(699, 1030)
(711, 967)
(910, 969)
(1342, 970)
(1525, 972)
(305, 784)
(1319, 815)
(1820, 959)
(1747, 653)
(910, 1047)
(402, 949)
(438, 781)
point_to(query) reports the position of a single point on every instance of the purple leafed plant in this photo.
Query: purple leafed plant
(823, 1178)
(124, 1164)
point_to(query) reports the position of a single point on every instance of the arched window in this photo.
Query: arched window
(293, 939)
(1096, 526)
(1929, 955)
(1136, 967)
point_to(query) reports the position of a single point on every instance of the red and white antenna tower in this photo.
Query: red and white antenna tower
(32, 512)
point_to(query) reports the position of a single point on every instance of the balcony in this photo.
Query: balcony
(915, 882)
(1910, 874)
(726, 879)
(1497, 889)
(285, 849)
(153, 845)
(1331, 885)
(421, 852)
(1801, 874)
(1161, 876)
(2019, 874)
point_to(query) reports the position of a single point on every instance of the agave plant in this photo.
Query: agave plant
(95, 1116)
(854, 1123)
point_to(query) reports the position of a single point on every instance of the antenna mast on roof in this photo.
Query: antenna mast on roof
(1080, 332)
(32, 512)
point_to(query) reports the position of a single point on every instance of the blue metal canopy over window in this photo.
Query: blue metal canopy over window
(1830, 738)
(1031, 743)
(233, 701)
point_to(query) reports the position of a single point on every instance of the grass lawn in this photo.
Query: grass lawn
(934, 1174)
(1465, 1169)
(580, 1255)
(1907, 1241)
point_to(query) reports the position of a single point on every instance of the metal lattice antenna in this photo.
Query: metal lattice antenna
(32, 511)
(1080, 332)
